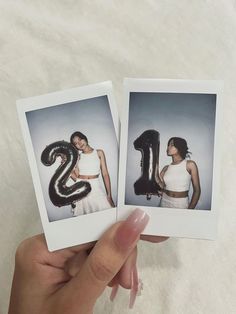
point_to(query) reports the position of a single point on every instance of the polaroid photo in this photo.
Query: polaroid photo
(71, 139)
(170, 155)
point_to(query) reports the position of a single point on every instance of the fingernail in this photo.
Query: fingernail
(134, 287)
(114, 292)
(131, 228)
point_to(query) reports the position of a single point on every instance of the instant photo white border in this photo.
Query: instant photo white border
(198, 224)
(70, 231)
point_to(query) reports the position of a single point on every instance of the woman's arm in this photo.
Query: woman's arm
(75, 173)
(162, 183)
(105, 176)
(193, 170)
(160, 180)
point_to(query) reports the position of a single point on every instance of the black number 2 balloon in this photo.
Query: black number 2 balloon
(59, 193)
(148, 143)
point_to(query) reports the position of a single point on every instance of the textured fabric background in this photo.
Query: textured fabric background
(47, 46)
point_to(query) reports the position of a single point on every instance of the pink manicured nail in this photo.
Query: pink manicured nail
(114, 292)
(134, 287)
(130, 230)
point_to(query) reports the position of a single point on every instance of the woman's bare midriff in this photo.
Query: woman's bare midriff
(88, 177)
(176, 194)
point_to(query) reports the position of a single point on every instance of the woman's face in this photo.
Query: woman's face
(171, 149)
(79, 143)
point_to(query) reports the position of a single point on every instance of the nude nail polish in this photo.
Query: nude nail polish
(114, 292)
(129, 231)
(134, 287)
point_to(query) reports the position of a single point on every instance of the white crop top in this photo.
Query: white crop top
(89, 164)
(177, 178)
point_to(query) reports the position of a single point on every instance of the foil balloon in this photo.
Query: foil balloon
(148, 143)
(59, 193)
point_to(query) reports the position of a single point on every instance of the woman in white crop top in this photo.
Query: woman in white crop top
(90, 164)
(177, 177)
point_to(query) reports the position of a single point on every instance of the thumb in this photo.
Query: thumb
(104, 262)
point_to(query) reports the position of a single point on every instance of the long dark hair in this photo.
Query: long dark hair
(181, 145)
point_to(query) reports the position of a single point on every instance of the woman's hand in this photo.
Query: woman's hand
(69, 281)
(110, 200)
(63, 158)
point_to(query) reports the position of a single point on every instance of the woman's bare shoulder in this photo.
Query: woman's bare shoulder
(100, 152)
(164, 168)
(191, 164)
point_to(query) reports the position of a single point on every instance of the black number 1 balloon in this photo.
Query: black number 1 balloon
(59, 193)
(148, 143)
